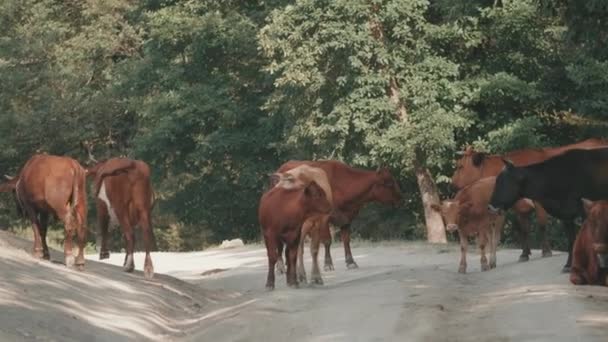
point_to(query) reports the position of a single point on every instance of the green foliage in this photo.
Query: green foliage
(216, 94)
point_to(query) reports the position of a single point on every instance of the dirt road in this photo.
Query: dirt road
(401, 292)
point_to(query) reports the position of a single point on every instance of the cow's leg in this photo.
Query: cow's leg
(280, 265)
(482, 242)
(272, 245)
(44, 222)
(79, 220)
(463, 252)
(291, 258)
(148, 235)
(523, 228)
(307, 227)
(541, 221)
(315, 242)
(329, 264)
(129, 235)
(67, 243)
(37, 250)
(345, 234)
(103, 221)
(571, 235)
(496, 228)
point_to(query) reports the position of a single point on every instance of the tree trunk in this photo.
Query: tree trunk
(435, 230)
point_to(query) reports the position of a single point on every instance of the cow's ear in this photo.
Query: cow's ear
(508, 164)
(587, 204)
(274, 179)
(436, 207)
(478, 158)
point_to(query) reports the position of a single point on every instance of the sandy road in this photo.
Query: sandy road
(401, 292)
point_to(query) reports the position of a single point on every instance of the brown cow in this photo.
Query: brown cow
(468, 214)
(590, 256)
(51, 185)
(124, 197)
(474, 165)
(281, 214)
(352, 188)
(316, 226)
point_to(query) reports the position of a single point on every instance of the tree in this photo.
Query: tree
(359, 81)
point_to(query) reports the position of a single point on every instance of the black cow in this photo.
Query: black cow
(558, 184)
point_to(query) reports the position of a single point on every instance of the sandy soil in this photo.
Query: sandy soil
(401, 292)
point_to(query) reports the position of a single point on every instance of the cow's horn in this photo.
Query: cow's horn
(460, 153)
(8, 177)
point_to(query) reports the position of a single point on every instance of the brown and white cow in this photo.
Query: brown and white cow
(124, 197)
(468, 214)
(590, 256)
(316, 226)
(48, 186)
(281, 214)
(352, 188)
(474, 165)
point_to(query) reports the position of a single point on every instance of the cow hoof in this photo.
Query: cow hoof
(352, 265)
(566, 269)
(129, 268)
(294, 285)
(104, 255)
(493, 265)
(46, 256)
(80, 267)
(70, 261)
(485, 267)
(547, 254)
(328, 267)
(317, 280)
(148, 273)
(462, 270)
(269, 287)
(524, 258)
(38, 254)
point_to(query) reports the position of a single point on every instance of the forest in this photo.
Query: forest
(215, 95)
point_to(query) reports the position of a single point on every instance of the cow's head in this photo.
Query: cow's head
(315, 200)
(597, 223)
(509, 187)
(468, 168)
(450, 212)
(385, 188)
(11, 186)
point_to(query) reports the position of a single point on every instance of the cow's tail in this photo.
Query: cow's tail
(72, 217)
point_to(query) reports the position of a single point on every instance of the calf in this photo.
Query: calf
(590, 255)
(316, 226)
(467, 214)
(558, 184)
(53, 186)
(281, 214)
(124, 197)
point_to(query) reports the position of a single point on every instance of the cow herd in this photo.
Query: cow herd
(566, 182)
(305, 197)
(55, 186)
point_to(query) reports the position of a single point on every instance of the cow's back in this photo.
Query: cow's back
(339, 174)
(129, 192)
(478, 194)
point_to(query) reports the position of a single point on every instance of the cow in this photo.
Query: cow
(474, 165)
(352, 188)
(281, 213)
(467, 213)
(124, 197)
(46, 186)
(590, 255)
(316, 226)
(558, 184)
